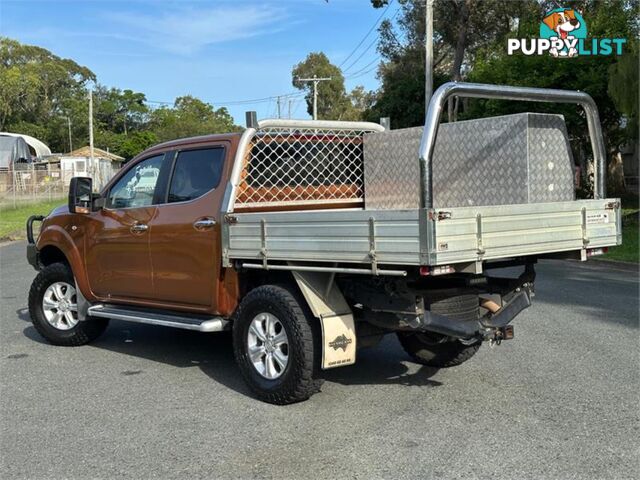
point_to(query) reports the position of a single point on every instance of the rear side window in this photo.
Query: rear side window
(195, 173)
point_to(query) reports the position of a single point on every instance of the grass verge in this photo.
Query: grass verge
(13, 220)
(629, 251)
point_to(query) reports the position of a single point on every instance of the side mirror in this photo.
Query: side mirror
(80, 196)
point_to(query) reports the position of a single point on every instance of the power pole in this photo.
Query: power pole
(70, 142)
(91, 128)
(428, 43)
(315, 81)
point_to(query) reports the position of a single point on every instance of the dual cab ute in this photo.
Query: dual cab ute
(309, 239)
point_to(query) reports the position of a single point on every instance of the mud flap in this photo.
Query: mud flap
(328, 305)
(82, 304)
(338, 341)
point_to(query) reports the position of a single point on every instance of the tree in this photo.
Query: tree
(623, 88)
(361, 101)
(188, 117)
(136, 142)
(120, 110)
(461, 29)
(591, 74)
(44, 95)
(333, 102)
(38, 90)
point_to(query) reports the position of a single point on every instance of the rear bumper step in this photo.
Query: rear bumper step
(198, 324)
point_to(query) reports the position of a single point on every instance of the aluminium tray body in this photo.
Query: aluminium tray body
(415, 237)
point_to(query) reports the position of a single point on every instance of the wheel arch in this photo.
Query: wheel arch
(50, 254)
(56, 245)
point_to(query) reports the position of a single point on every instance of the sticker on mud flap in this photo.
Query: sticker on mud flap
(597, 218)
(338, 341)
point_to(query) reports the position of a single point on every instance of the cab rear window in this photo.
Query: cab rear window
(195, 173)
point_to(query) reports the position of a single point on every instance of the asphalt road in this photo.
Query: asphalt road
(559, 401)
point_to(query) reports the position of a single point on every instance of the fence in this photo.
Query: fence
(29, 184)
(26, 183)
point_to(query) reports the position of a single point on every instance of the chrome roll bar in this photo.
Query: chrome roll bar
(319, 124)
(478, 90)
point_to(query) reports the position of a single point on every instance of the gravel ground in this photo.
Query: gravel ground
(559, 401)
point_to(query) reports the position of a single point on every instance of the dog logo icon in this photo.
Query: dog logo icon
(563, 27)
(563, 34)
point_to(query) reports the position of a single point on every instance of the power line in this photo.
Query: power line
(356, 73)
(239, 102)
(367, 35)
(375, 40)
(363, 73)
(365, 51)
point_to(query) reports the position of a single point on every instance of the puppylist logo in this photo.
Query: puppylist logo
(563, 33)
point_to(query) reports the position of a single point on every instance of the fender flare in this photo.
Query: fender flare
(58, 237)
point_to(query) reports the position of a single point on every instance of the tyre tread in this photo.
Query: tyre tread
(84, 332)
(302, 331)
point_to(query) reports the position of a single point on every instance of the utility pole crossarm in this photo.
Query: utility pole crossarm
(315, 81)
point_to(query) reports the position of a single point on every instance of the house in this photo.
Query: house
(78, 163)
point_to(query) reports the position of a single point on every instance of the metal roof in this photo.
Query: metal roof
(39, 147)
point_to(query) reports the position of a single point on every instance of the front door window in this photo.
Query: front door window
(137, 186)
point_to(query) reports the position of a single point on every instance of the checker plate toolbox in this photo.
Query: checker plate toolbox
(455, 193)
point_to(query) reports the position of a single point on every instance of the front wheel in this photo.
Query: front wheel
(276, 346)
(53, 306)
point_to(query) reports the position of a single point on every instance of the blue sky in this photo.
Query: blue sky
(217, 50)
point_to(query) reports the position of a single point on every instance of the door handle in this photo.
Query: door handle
(139, 228)
(204, 224)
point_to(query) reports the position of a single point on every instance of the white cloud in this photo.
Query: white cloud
(188, 30)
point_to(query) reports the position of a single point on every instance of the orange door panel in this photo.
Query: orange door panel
(185, 257)
(117, 253)
(185, 234)
(117, 238)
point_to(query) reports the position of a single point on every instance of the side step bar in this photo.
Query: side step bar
(199, 324)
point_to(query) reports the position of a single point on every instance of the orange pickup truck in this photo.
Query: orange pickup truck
(309, 239)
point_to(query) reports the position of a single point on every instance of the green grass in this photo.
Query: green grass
(13, 220)
(629, 251)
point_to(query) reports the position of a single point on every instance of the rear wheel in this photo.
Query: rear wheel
(276, 345)
(436, 350)
(53, 306)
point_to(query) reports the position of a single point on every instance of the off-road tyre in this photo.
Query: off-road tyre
(82, 333)
(436, 350)
(299, 379)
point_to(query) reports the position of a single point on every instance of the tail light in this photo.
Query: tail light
(439, 270)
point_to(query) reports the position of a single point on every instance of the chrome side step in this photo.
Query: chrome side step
(199, 324)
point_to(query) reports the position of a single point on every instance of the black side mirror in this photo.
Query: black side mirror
(80, 196)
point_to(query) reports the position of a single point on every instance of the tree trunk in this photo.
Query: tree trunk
(615, 176)
(461, 44)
